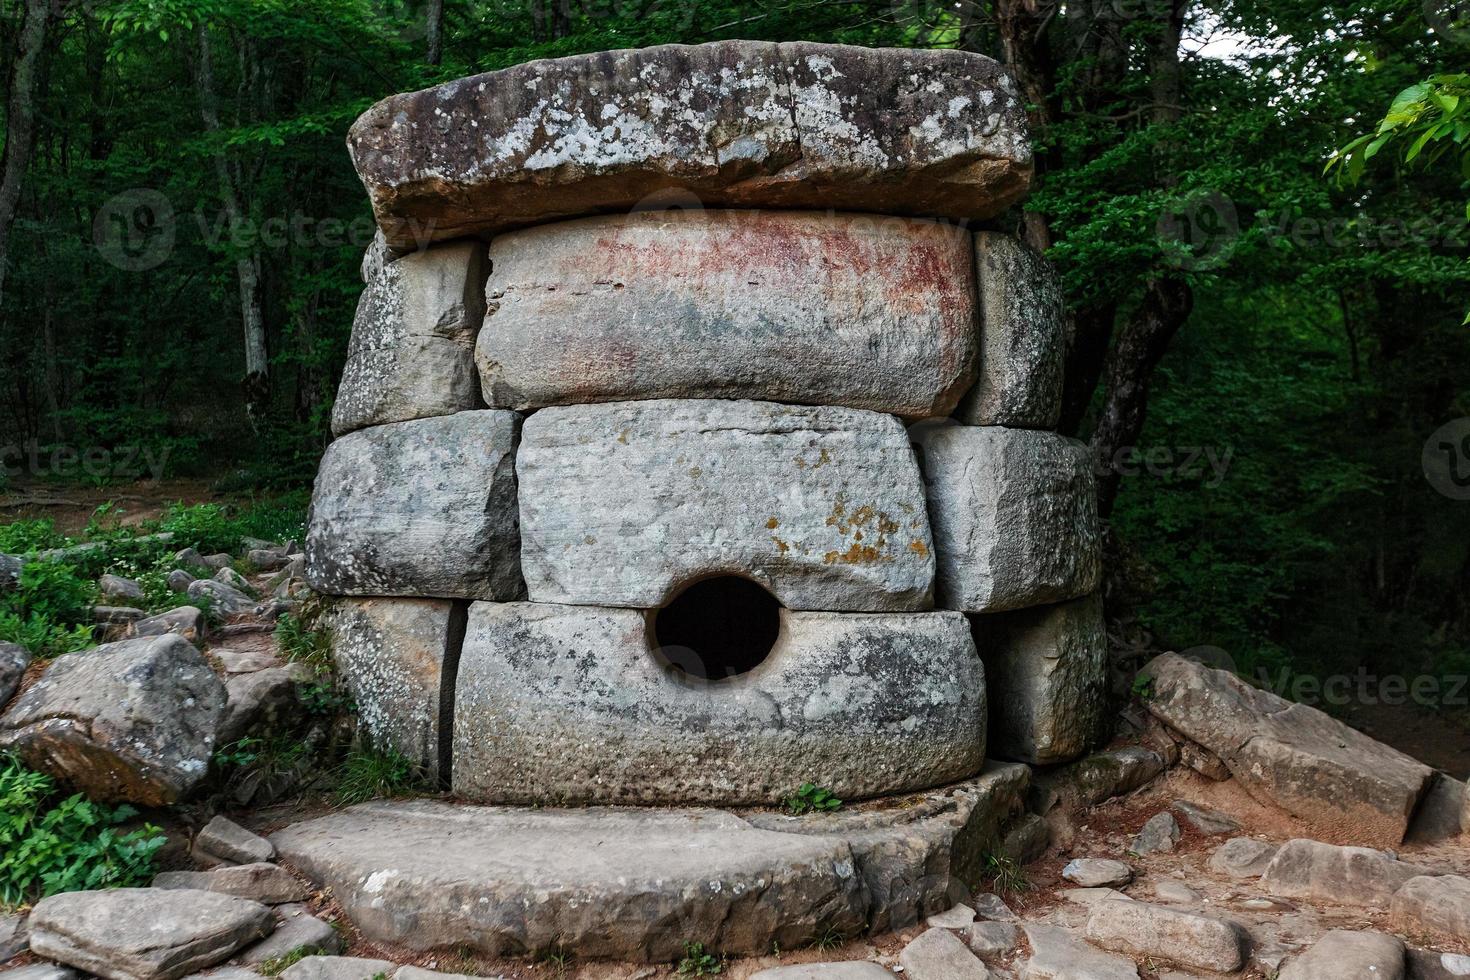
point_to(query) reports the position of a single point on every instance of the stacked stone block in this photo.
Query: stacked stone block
(644, 318)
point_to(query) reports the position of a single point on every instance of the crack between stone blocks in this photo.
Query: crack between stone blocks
(454, 637)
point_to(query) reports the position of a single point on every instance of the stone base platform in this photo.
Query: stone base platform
(636, 884)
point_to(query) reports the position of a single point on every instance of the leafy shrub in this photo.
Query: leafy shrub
(49, 611)
(50, 845)
(698, 963)
(214, 528)
(21, 537)
(811, 798)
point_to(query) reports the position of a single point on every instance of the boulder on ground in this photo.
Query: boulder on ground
(228, 576)
(338, 968)
(937, 954)
(1057, 954)
(1206, 821)
(133, 721)
(623, 504)
(1047, 668)
(1104, 775)
(1336, 780)
(224, 599)
(857, 970)
(179, 580)
(412, 350)
(784, 306)
(992, 940)
(145, 933)
(10, 568)
(1243, 857)
(185, 621)
(1023, 338)
(1097, 872)
(728, 124)
(1438, 907)
(1343, 953)
(1014, 513)
(269, 884)
(422, 508)
(1159, 835)
(228, 841)
(1339, 875)
(264, 698)
(118, 590)
(1155, 932)
(1441, 814)
(14, 659)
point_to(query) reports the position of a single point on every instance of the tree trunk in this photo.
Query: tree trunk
(435, 18)
(20, 118)
(257, 360)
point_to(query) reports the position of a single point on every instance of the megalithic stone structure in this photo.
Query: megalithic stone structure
(692, 408)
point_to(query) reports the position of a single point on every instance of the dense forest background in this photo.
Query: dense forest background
(1262, 353)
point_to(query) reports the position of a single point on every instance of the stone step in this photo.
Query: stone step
(636, 884)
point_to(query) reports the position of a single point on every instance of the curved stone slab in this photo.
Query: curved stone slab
(412, 350)
(731, 123)
(860, 310)
(1014, 514)
(629, 885)
(568, 704)
(623, 503)
(422, 508)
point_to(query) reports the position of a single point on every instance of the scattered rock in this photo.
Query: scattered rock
(1209, 822)
(421, 508)
(788, 125)
(1047, 670)
(14, 659)
(1104, 775)
(1159, 835)
(1329, 776)
(1027, 841)
(1428, 964)
(189, 558)
(297, 932)
(1337, 875)
(338, 967)
(269, 884)
(132, 721)
(229, 841)
(1341, 953)
(244, 662)
(218, 561)
(179, 580)
(1433, 906)
(1175, 892)
(228, 576)
(1023, 337)
(145, 933)
(15, 937)
(939, 955)
(1154, 932)
(223, 599)
(988, 906)
(1243, 857)
(1091, 896)
(1057, 954)
(1441, 813)
(824, 971)
(267, 561)
(10, 568)
(822, 506)
(992, 940)
(959, 917)
(732, 304)
(1014, 513)
(118, 590)
(184, 621)
(265, 698)
(116, 615)
(1097, 872)
(41, 971)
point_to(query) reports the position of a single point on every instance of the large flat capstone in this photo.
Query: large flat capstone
(1014, 514)
(623, 503)
(861, 310)
(727, 124)
(570, 704)
(421, 508)
(1339, 782)
(412, 350)
(621, 884)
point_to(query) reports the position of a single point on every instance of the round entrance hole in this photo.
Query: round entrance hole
(716, 628)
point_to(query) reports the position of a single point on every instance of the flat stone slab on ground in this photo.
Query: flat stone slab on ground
(1434, 906)
(299, 931)
(1154, 932)
(269, 884)
(1205, 820)
(1311, 870)
(229, 841)
(742, 124)
(145, 933)
(1341, 953)
(1243, 857)
(338, 968)
(1057, 954)
(1097, 872)
(800, 307)
(938, 954)
(825, 971)
(1336, 780)
(624, 503)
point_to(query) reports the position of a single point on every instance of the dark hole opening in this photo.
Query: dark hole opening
(717, 628)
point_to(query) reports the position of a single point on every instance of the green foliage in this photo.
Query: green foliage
(370, 774)
(1143, 686)
(49, 613)
(215, 528)
(1005, 875)
(302, 643)
(698, 963)
(50, 845)
(811, 798)
(1427, 120)
(22, 537)
(277, 965)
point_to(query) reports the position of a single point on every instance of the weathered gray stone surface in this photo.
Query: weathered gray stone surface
(1097, 872)
(130, 721)
(1243, 857)
(1014, 515)
(992, 940)
(116, 615)
(118, 590)
(224, 599)
(178, 580)
(873, 704)
(825, 971)
(10, 567)
(1154, 932)
(269, 884)
(729, 124)
(300, 930)
(260, 700)
(185, 621)
(413, 340)
(229, 841)
(422, 508)
(41, 971)
(1023, 339)
(1428, 964)
(1340, 875)
(15, 936)
(1159, 835)
(620, 884)
(1341, 953)
(338, 968)
(1440, 816)
(14, 659)
(1205, 820)
(1175, 892)
(623, 503)
(1338, 781)
(1104, 775)
(1048, 668)
(1026, 840)
(803, 307)
(958, 917)
(145, 933)
(390, 655)
(1057, 954)
(937, 954)
(1091, 896)
(1438, 907)
(243, 661)
(236, 581)
(988, 906)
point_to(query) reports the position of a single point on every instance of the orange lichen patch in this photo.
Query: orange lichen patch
(781, 546)
(772, 524)
(857, 554)
(886, 525)
(919, 548)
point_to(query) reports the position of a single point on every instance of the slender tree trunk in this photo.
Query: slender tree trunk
(435, 17)
(257, 360)
(20, 118)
